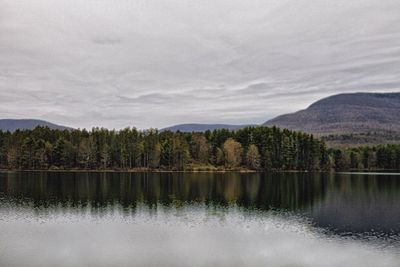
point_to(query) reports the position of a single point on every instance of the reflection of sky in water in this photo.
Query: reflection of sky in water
(82, 219)
(183, 236)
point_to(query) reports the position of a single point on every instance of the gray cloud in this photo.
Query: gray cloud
(157, 63)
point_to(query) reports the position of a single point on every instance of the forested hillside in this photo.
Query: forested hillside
(27, 124)
(348, 119)
(199, 127)
(255, 148)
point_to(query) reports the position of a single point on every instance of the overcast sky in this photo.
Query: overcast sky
(155, 63)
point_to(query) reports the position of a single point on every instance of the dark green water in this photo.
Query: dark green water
(279, 212)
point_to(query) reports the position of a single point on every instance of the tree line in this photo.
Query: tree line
(380, 157)
(256, 148)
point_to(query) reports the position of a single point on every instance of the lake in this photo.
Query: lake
(199, 219)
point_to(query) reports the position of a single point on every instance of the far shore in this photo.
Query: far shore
(141, 170)
(238, 170)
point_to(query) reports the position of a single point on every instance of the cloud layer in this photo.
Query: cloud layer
(161, 62)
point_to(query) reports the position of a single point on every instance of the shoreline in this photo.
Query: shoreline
(135, 171)
(199, 171)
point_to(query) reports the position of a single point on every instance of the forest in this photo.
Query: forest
(252, 148)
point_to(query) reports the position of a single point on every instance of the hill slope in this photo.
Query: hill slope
(348, 118)
(198, 127)
(14, 124)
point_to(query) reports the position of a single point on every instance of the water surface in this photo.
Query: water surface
(199, 219)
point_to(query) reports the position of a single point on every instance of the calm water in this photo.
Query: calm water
(213, 219)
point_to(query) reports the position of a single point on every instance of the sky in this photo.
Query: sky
(156, 63)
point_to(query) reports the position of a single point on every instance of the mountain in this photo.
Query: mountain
(14, 124)
(354, 118)
(198, 127)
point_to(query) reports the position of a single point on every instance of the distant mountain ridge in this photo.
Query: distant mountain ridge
(199, 127)
(343, 119)
(27, 124)
(374, 116)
